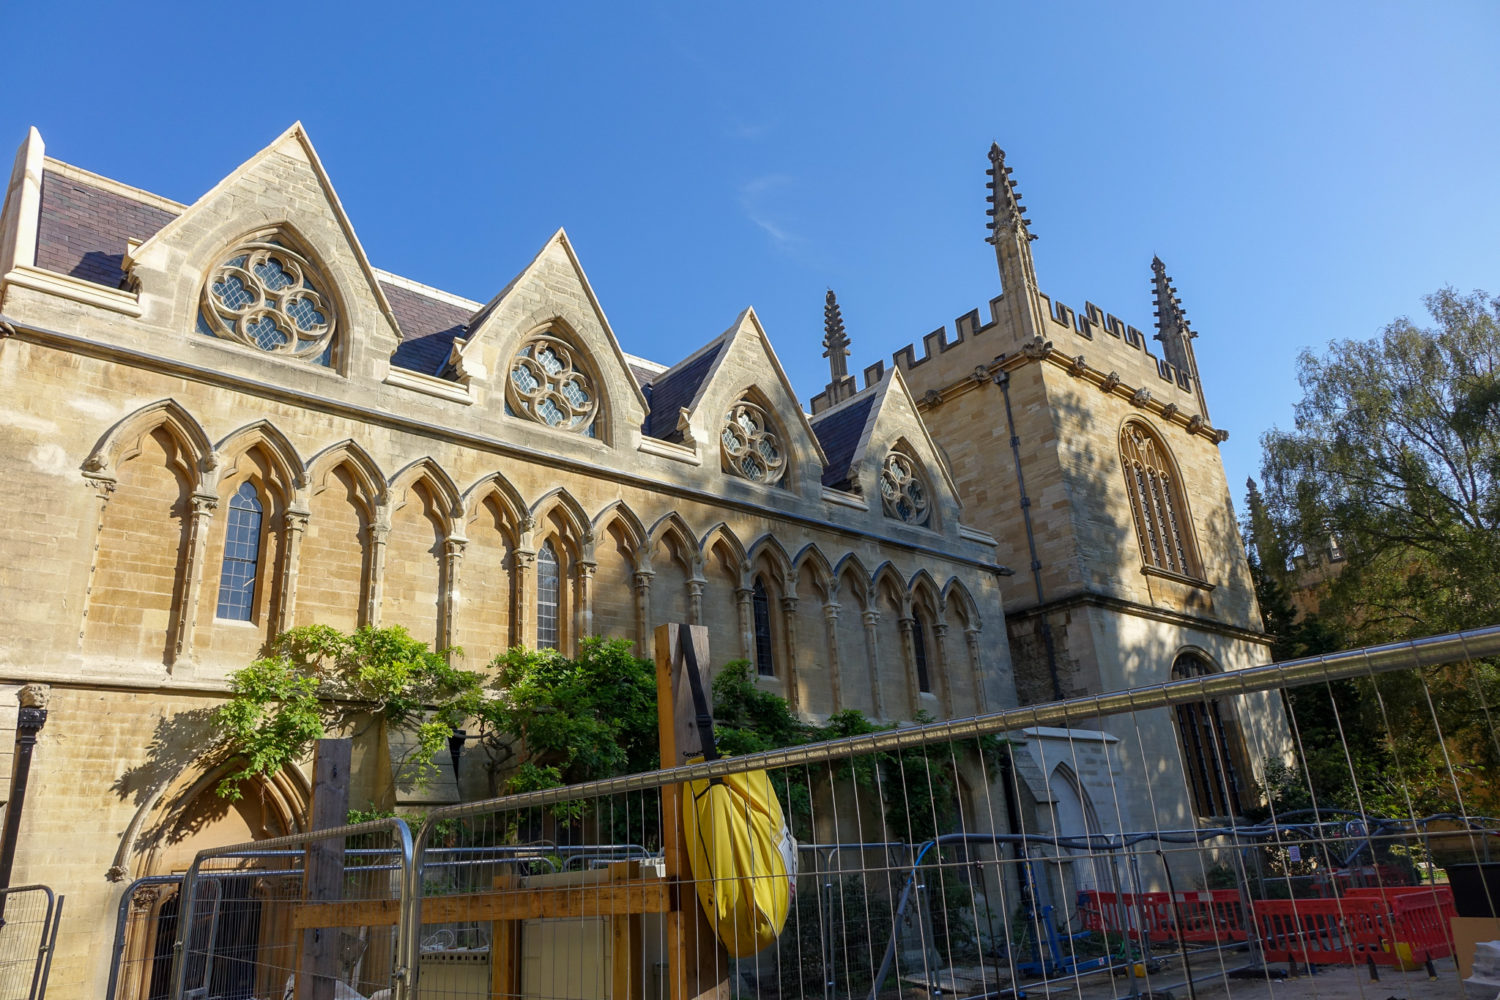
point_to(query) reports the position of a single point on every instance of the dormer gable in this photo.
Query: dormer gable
(543, 350)
(283, 197)
(745, 382)
(879, 447)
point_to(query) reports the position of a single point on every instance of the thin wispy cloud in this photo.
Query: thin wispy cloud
(755, 195)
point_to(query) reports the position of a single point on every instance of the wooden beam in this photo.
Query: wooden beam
(604, 899)
(323, 874)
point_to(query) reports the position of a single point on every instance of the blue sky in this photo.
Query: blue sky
(1308, 171)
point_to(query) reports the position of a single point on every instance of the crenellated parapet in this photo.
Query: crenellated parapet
(1125, 345)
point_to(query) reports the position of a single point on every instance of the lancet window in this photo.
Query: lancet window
(548, 383)
(267, 296)
(1156, 502)
(241, 556)
(750, 446)
(548, 635)
(1208, 748)
(760, 604)
(903, 490)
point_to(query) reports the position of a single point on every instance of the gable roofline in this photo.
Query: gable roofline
(76, 173)
(747, 317)
(299, 133)
(412, 285)
(560, 236)
(896, 378)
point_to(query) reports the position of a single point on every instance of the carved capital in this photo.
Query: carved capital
(831, 611)
(145, 897)
(296, 520)
(204, 505)
(454, 547)
(789, 605)
(871, 618)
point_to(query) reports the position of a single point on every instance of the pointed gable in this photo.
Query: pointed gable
(862, 431)
(745, 367)
(676, 388)
(283, 189)
(551, 293)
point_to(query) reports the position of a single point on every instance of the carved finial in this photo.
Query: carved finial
(835, 340)
(1006, 212)
(1171, 321)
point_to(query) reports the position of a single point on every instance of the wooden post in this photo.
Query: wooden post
(626, 965)
(505, 948)
(323, 876)
(697, 964)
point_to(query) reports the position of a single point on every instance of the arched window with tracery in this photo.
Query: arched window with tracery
(903, 489)
(241, 556)
(1157, 504)
(548, 634)
(760, 604)
(550, 382)
(1209, 749)
(751, 446)
(265, 295)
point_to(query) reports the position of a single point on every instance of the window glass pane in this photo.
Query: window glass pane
(919, 648)
(546, 598)
(241, 556)
(765, 664)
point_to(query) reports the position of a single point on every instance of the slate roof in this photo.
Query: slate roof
(839, 432)
(82, 229)
(428, 327)
(674, 389)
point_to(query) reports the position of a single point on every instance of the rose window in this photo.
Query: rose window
(902, 490)
(548, 385)
(751, 448)
(267, 297)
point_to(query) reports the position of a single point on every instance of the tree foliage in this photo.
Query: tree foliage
(1395, 460)
(315, 679)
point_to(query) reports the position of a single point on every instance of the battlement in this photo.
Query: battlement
(1097, 325)
(1093, 324)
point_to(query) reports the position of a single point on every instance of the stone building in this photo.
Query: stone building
(223, 421)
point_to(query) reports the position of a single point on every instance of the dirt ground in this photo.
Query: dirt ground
(1215, 982)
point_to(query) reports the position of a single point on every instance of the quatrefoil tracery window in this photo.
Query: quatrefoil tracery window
(266, 296)
(548, 384)
(903, 492)
(750, 445)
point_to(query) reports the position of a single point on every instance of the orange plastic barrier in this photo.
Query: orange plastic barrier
(1402, 928)
(1206, 916)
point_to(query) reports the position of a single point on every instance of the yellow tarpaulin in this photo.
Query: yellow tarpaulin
(740, 853)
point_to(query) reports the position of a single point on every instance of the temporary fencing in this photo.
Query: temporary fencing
(29, 918)
(1057, 843)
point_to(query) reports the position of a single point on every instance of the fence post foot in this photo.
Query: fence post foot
(1374, 972)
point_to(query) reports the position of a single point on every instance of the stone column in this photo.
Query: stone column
(940, 665)
(909, 658)
(981, 696)
(525, 631)
(453, 557)
(695, 601)
(103, 487)
(872, 654)
(789, 627)
(204, 505)
(831, 623)
(379, 531)
(585, 601)
(743, 598)
(295, 528)
(641, 579)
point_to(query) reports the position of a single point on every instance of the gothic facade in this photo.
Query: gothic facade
(224, 421)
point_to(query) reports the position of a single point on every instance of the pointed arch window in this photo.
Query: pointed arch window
(919, 632)
(1209, 749)
(903, 490)
(750, 446)
(1157, 504)
(265, 295)
(549, 383)
(548, 635)
(241, 556)
(760, 603)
